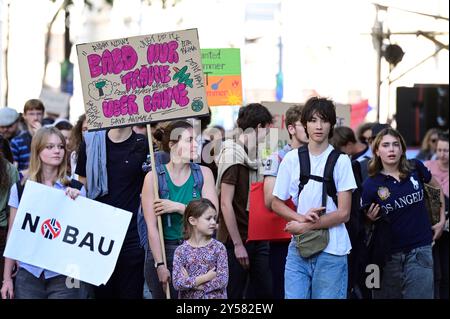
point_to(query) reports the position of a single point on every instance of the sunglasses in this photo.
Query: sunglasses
(434, 140)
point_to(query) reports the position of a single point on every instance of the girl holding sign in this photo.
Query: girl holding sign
(48, 162)
(178, 184)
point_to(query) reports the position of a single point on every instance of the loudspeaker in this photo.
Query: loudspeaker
(421, 108)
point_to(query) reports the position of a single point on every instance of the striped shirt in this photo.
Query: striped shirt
(21, 147)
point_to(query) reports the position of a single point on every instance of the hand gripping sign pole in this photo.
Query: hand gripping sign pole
(156, 196)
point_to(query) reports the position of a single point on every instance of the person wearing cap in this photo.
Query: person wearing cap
(33, 112)
(9, 123)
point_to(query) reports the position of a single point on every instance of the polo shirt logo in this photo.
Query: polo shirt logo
(383, 193)
(414, 182)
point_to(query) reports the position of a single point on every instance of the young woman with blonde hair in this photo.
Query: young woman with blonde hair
(48, 162)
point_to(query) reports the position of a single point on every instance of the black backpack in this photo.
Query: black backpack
(357, 259)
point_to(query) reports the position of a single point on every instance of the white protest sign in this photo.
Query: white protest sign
(142, 79)
(78, 238)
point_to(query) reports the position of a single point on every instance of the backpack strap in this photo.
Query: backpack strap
(20, 188)
(163, 188)
(305, 167)
(198, 179)
(328, 180)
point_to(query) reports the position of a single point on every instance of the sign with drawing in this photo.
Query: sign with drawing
(222, 68)
(142, 79)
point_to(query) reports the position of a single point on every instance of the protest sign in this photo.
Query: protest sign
(142, 79)
(222, 69)
(78, 238)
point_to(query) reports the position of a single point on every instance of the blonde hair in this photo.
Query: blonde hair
(375, 164)
(427, 139)
(38, 143)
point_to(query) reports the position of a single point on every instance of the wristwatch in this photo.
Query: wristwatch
(158, 264)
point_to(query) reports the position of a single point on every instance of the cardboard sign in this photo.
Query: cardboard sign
(142, 79)
(222, 69)
(78, 238)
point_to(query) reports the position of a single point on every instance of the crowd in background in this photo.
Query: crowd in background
(204, 186)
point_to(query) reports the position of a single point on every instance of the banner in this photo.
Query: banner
(142, 79)
(222, 69)
(78, 238)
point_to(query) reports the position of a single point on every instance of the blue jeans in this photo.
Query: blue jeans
(408, 275)
(322, 276)
(28, 286)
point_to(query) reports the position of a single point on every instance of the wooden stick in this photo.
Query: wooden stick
(156, 196)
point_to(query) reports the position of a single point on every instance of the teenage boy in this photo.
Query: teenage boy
(279, 249)
(33, 112)
(323, 275)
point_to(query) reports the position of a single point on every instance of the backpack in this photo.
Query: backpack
(357, 259)
(163, 191)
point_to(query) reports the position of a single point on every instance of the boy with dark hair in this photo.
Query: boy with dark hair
(278, 249)
(344, 140)
(33, 112)
(324, 274)
(237, 170)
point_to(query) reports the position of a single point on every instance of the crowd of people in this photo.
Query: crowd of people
(348, 199)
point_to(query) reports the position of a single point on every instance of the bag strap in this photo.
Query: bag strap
(163, 188)
(198, 179)
(305, 167)
(20, 189)
(328, 179)
(328, 185)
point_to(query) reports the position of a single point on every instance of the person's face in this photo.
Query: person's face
(262, 132)
(33, 116)
(186, 148)
(84, 126)
(433, 142)
(318, 129)
(389, 150)
(367, 134)
(9, 131)
(53, 152)
(298, 132)
(206, 224)
(67, 134)
(442, 152)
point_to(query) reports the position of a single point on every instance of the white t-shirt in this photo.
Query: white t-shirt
(286, 186)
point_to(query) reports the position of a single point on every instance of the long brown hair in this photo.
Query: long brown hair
(38, 143)
(375, 164)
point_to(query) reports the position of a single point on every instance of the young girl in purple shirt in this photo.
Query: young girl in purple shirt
(200, 265)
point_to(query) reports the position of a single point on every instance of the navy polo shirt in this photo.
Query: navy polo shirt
(403, 202)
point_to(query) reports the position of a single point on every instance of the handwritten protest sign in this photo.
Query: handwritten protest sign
(78, 238)
(222, 68)
(142, 79)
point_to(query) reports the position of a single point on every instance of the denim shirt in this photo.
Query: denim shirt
(14, 202)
